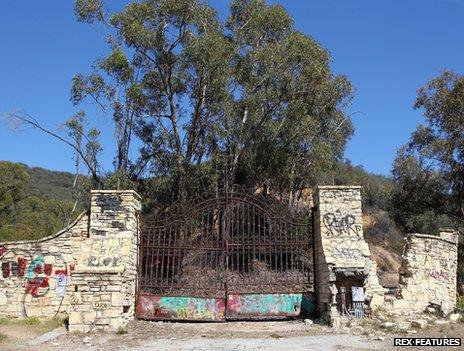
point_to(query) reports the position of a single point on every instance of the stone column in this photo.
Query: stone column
(428, 274)
(342, 256)
(106, 275)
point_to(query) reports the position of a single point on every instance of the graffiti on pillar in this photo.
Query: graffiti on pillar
(106, 252)
(338, 224)
(346, 194)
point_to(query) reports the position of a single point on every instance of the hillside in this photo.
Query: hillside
(34, 202)
(50, 184)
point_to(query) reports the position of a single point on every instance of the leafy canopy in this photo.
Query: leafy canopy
(251, 100)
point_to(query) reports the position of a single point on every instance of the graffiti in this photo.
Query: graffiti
(255, 305)
(182, 308)
(439, 275)
(347, 253)
(34, 274)
(106, 252)
(348, 194)
(338, 224)
(108, 202)
(2, 250)
(37, 276)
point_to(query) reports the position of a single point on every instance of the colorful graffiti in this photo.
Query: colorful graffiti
(263, 305)
(215, 309)
(439, 275)
(32, 272)
(180, 308)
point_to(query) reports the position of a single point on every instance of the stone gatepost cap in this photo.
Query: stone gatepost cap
(116, 192)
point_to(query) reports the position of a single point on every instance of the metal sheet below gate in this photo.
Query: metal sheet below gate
(239, 306)
(263, 306)
(180, 308)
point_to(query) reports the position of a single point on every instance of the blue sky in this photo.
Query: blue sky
(388, 48)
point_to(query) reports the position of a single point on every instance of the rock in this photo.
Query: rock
(308, 322)
(387, 325)
(441, 322)
(419, 323)
(86, 340)
(381, 338)
(431, 310)
(455, 317)
(47, 336)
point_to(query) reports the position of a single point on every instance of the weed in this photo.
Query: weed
(3, 337)
(121, 331)
(460, 302)
(5, 320)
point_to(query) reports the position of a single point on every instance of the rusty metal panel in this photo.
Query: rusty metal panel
(232, 245)
(180, 308)
(259, 306)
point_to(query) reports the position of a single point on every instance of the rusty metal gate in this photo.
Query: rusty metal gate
(232, 256)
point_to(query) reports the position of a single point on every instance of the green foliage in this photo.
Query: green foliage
(460, 302)
(35, 202)
(121, 331)
(428, 171)
(250, 100)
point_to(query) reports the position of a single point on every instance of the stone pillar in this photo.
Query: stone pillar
(342, 256)
(105, 282)
(428, 273)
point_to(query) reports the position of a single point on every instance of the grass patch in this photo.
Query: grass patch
(460, 302)
(34, 323)
(121, 331)
(5, 320)
(3, 337)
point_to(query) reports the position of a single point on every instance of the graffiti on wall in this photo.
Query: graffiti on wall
(338, 224)
(34, 275)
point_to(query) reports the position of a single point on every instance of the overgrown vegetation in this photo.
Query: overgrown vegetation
(34, 202)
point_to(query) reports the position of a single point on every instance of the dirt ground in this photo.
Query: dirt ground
(165, 336)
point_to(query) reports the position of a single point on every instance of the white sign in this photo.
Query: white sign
(357, 294)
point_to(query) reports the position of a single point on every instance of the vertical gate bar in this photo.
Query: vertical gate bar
(274, 246)
(242, 239)
(181, 255)
(149, 256)
(157, 233)
(168, 250)
(280, 252)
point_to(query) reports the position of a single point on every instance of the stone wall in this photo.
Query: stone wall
(87, 271)
(428, 273)
(342, 255)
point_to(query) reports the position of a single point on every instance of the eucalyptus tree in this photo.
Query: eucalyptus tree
(251, 100)
(429, 169)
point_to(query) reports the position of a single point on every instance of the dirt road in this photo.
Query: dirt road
(255, 336)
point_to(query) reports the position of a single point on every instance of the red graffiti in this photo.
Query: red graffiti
(2, 250)
(22, 262)
(6, 269)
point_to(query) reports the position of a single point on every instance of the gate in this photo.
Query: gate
(228, 257)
